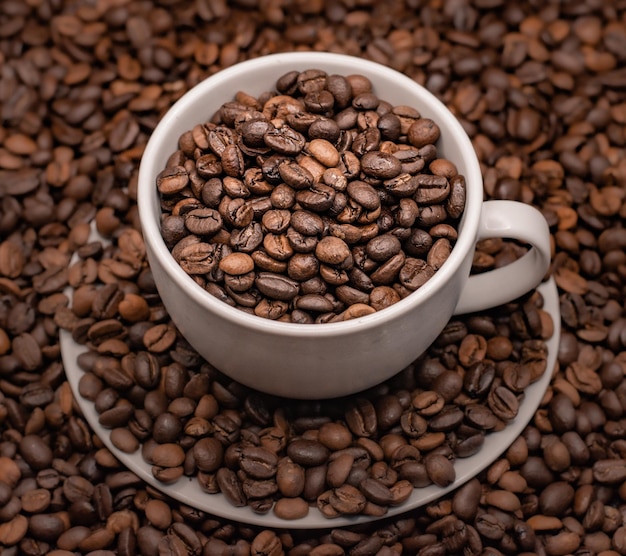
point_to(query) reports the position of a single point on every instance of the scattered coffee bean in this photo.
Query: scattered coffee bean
(82, 86)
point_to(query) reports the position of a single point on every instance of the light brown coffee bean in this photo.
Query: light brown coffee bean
(291, 508)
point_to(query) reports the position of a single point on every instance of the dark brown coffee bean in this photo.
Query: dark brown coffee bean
(555, 498)
(308, 453)
(324, 128)
(382, 248)
(116, 416)
(231, 488)
(295, 176)
(347, 500)
(380, 165)
(388, 272)
(455, 203)
(276, 286)
(35, 452)
(363, 194)
(503, 403)
(377, 492)
(284, 140)
(277, 246)
(490, 527)
(232, 161)
(466, 499)
(247, 239)
(415, 273)
(258, 462)
(361, 418)
(307, 223)
(440, 470)
(237, 212)
(318, 198)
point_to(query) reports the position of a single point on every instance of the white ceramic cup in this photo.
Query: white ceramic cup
(336, 359)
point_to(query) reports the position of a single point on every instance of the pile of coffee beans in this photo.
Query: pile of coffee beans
(540, 89)
(358, 455)
(314, 202)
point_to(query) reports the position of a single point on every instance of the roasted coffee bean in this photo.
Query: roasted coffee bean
(308, 453)
(276, 286)
(258, 462)
(172, 179)
(414, 273)
(503, 403)
(440, 470)
(380, 165)
(231, 488)
(295, 176)
(346, 500)
(35, 452)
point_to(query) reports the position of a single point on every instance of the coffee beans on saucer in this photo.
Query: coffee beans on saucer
(315, 202)
(359, 455)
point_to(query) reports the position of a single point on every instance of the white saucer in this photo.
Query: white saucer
(187, 490)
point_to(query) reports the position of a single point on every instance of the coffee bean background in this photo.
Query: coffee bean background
(540, 88)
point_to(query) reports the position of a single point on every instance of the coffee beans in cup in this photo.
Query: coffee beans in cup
(315, 202)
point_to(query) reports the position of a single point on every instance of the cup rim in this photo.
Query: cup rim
(150, 218)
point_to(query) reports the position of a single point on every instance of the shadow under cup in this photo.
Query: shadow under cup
(297, 360)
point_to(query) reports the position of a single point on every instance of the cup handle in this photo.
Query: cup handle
(513, 220)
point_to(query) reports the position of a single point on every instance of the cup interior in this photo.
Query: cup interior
(259, 75)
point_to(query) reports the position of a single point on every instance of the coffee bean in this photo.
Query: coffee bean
(168, 455)
(46, 527)
(276, 286)
(236, 264)
(465, 501)
(608, 471)
(35, 452)
(172, 179)
(290, 478)
(124, 440)
(423, 131)
(415, 273)
(440, 470)
(346, 500)
(159, 338)
(291, 508)
(380, 165)
(230, 487)
(258, 463)
(309, 453)
(296, 176)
